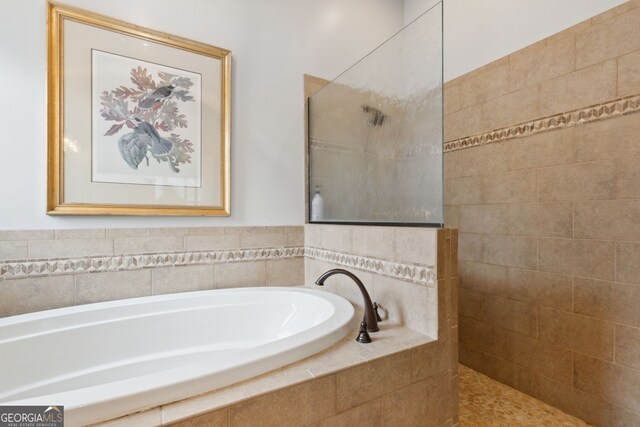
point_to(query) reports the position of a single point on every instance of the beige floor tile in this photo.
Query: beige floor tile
(485, 402)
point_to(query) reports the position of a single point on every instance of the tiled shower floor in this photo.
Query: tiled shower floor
(487, 403)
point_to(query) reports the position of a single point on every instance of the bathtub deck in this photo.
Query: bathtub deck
(391, 338)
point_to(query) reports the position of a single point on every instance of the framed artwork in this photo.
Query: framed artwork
(138, 120)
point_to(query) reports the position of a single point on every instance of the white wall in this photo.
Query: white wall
(273, 43)
(477, 32)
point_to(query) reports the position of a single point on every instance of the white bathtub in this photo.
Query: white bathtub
(109, 359)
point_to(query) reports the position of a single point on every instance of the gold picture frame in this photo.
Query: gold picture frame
(149, 167)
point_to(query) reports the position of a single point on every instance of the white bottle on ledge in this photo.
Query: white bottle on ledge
(317, 206)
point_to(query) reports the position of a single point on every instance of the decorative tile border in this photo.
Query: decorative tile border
(606, 110)
(99, 264)
(423, 275)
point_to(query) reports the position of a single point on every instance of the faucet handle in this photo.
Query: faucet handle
(375, 308)
(363, 335)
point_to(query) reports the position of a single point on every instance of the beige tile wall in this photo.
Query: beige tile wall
(550, 223)
(411, 304)
(18, 296)
(414, 387)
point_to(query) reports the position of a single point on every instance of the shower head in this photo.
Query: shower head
(377, 116)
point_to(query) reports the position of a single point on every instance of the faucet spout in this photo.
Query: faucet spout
(370, 317)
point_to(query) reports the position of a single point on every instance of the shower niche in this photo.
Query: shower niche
(376, 134)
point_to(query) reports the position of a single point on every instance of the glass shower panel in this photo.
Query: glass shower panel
(376, 134)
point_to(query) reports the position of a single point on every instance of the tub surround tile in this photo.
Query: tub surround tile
(137, 274)
(203, 404)
(14, 249)
(263, 240)
(99, 287)
(138, 245)
(296, 383)
(336, 237)
(422, 403)
(36, 294)
(298, 405)
(367, 414)
(68, 248)
(182, 279)
(375, 242)
(368, 381)
(213, 242)
(415, 246)
(27, 234)
(150, 417)
(206, 231)
(295, 238)
(286, 272)
(127, 232)
(414, 306)
(211, 419)
(177, 231)
(235, 275)
(431, 359)
(274, 380)
(80, 233)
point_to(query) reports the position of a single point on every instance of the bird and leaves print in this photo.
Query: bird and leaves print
(150, 110)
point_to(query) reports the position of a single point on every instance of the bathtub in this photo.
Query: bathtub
(106, 360)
